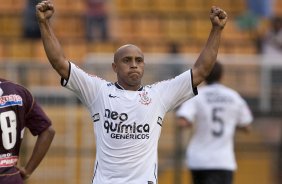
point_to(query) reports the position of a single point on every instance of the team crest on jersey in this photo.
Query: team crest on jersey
(145, 100)
(10, 100)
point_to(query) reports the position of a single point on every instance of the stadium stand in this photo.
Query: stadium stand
(152, 25)
(132, 21)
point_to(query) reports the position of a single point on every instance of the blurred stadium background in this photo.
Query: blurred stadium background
(153, 25)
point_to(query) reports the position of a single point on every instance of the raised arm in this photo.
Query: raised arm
(53, 49)
(207, 58)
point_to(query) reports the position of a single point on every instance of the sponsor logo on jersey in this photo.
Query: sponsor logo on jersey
(10, 100)
(110, 84)
(160, 121)
(118, 128)
(144, 99)
(112, 96)
(6, 160)
(96, 117)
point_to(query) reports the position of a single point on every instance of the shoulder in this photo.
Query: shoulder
(221, 89)
(13, 85)
(233, 93)
(203, 90)
(82, 73)
(15, 94)
(9, 87)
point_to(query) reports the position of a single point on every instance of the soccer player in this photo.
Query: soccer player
(127, 116)
(18, 110)
(215, 114)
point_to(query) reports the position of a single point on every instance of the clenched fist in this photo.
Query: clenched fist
(44, 10)
(218, 17)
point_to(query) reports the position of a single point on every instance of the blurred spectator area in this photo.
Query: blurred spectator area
(149, 24)
(153, 25)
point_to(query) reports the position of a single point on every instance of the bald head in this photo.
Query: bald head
(123, 50)
(129, 66)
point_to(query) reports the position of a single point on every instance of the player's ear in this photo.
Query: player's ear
(114, 66)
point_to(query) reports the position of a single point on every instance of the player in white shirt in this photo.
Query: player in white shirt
(215, 114)
(127, 116)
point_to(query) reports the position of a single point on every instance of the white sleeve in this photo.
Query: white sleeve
(84, 85)
(175, 91)
(188, 110)
(245, 115)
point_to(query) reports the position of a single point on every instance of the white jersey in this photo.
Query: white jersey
(127, 124)
(215, 113)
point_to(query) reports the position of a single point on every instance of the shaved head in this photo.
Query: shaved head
(129, 66)
(123, 49)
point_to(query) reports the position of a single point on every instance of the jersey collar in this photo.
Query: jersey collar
(120, 87)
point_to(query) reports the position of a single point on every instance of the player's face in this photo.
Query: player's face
(129, 66)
